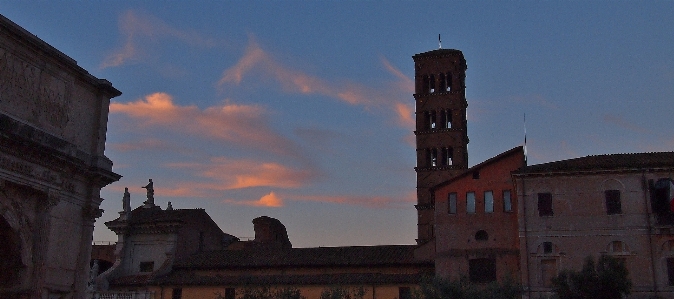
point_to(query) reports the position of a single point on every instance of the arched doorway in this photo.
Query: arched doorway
(10, 251)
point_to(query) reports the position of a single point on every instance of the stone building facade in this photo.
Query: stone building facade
(53, 122)
(617, 205)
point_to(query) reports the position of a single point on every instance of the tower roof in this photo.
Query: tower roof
(438, 53)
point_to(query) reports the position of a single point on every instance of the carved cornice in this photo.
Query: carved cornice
(421, 207)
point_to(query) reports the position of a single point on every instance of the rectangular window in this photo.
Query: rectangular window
(544, 204)
(482, 270)
(488, 202)
(507, 201)
(670, 271)
(230, 293)
(146, 266)
(470, 202)
(404, 293)
(547, 247)
(613, 202)
(548, 271)
(177, 293)
(451, 202)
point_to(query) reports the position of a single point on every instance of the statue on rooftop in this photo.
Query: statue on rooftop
(150, 193)
(126, 201)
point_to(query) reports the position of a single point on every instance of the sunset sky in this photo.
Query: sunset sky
(303, 110)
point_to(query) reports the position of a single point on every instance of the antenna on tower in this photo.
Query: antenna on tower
(525, 138)
(439, 42)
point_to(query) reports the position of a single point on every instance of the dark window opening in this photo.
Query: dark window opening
(404, 293)
(443, 83)
(431, 120)
(434, 157)
(482, 270)
(230, 293)
(451, 202)
(476, 175)
(448, 119)
(661, 196)
(547, 247)
(507, 201)
(177, 293)
(431, 84)
(424, 83)
(448, 155)
(545, 204)
(10, 255)
(613, 205)
(481, 235)
(449, 81)
(146, 266)
(670, 271)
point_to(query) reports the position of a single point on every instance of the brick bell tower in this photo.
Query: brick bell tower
(441, 135)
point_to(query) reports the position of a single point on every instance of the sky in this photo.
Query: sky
(304, 110)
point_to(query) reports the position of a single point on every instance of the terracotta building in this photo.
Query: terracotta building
(441, 135)
(53, 123)
(476, 221)
(617, 205)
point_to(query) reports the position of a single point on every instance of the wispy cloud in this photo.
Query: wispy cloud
(140, 30)
(624, 124)
(150, 144)
(258, 61)
(270, 200)
(242, 125)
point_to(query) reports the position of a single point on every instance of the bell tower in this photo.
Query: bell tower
(441, 135)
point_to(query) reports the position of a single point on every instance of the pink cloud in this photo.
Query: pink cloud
(256, 60)
(140, 30)
(243, 125)
(228, 174)
(270, 200)
(623, 123)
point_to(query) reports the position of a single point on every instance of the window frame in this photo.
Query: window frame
(451, 203)
(545, 205)
(489, 204)
(470, 202)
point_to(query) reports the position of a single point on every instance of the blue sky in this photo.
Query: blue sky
(303, 110)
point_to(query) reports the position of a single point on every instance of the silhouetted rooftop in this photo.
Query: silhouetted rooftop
(303, 257)
(638, 161)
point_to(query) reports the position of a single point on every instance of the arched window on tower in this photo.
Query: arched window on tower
(443, 84)
(424, 83)
(432, 124)
(431, 84)
(447, 155)
(434, 157)
(448, 118)
(449, 81)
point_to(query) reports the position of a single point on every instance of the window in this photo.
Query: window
(488, 202)
(177, 293)
(547, 247)
(481, 235)
(431, 84)
(613, 202)
(476, 175)
(432, 120)
(230, 293)
(507, 201)
(449, 81)
(448, 119)
(548, 271)
(434, 157)
(448, 155)
(404, 293)
(470, 202)
(443, 84)
(482, 270)
(451, 202)
(544, 204)
(146, 266)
